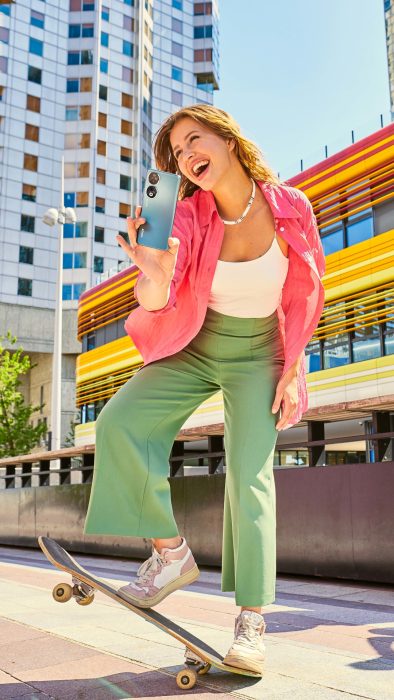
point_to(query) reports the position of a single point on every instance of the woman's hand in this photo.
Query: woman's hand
(157, 265)
(286, 397)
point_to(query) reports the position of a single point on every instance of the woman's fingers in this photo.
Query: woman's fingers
(132, 227)
(288, 408)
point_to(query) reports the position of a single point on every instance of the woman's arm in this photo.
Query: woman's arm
(286, 396)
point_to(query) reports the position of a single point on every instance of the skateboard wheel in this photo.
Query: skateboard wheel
(85, 600)
(202, 671)
(186, 678)
(62, 592)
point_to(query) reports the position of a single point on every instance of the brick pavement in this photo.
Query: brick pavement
(330, 640)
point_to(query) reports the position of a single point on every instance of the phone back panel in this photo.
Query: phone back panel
(159, 211)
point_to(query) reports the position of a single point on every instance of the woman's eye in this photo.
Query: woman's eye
(178, 153)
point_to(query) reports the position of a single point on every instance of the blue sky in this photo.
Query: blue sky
(299, 74)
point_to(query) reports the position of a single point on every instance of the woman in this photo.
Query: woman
(230, 305)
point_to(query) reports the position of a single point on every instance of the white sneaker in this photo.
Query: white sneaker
(248, 649)
(160, 575)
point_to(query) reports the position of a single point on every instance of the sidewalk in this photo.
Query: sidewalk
(325, 640)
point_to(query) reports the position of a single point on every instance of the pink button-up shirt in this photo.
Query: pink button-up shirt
(197, 224)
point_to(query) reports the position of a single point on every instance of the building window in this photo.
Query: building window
(204, 32)
(81, 229)
(79, 260)
(105, 14)
(127, 100)
(26, 255)
(98, 264)
(176, 73)
(176, 98)
(27, 223)
(73, 58)
(30, 162)
(201, 55)
(99, 234)
(5, 9)
(33, 74)
(332, 242)
(202, 8)
(33, 103)
(4, 35)
(91, 340)
(127, 74)
(128, 23)
(103, 65)
(36, 46)
(86, 57)
(87, 30)
(176, 49)
(72, 85)
(336, 351)
(78, 289)
(125, 182)
(128, 48)
(4, 64)
(67, 292)
(32, 132)
(29, 193)
(100, 176)
(103, 92)
(67, 261)
(71, 113)
(102, 148)
(86, 84)
(177, 4)
(104, 39)
(74, 31)
(126, 127)
(82, 199)
(124, 210)
(357, 229)
(176, 25)
(126, 154)
(102, 120)
(25, 287)
(77, 141)
(100, 205)
(129, 2)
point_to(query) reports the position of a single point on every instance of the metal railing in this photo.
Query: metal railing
(77, 463)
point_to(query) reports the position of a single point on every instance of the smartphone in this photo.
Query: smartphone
(158, 209)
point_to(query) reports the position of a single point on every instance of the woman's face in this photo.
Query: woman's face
(193, 144)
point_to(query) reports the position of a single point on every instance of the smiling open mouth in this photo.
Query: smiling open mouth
(201, 169)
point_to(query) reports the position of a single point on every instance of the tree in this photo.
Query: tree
(17, 434)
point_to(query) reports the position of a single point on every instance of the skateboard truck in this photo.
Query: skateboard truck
(82, 593)
(188, 677)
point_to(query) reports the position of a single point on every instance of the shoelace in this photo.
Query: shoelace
(246, 632)
(150, 567)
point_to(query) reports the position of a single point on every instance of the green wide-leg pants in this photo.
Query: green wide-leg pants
(136, 429)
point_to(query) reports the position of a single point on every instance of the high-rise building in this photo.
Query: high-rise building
(389, 23)
(91, 82)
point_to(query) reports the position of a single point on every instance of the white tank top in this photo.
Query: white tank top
(252, 288)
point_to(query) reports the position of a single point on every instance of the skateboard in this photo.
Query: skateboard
(199, 656)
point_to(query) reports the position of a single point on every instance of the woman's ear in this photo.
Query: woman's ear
(231, 144)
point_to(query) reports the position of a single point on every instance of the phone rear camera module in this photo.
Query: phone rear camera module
(151, 192)
(153, 178)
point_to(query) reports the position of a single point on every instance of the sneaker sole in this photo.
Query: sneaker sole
(244, 663)
(174, 585)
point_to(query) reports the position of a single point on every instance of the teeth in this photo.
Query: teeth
(199, 164)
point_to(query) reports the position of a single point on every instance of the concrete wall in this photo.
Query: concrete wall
(333, 521)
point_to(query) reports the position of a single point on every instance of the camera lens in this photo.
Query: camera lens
(151, 192)
(153, 178)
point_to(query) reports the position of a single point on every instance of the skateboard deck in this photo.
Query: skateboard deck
(199, 655)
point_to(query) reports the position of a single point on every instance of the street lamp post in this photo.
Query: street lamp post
(51, 218)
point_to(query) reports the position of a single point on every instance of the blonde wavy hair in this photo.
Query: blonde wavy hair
(222, 124)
